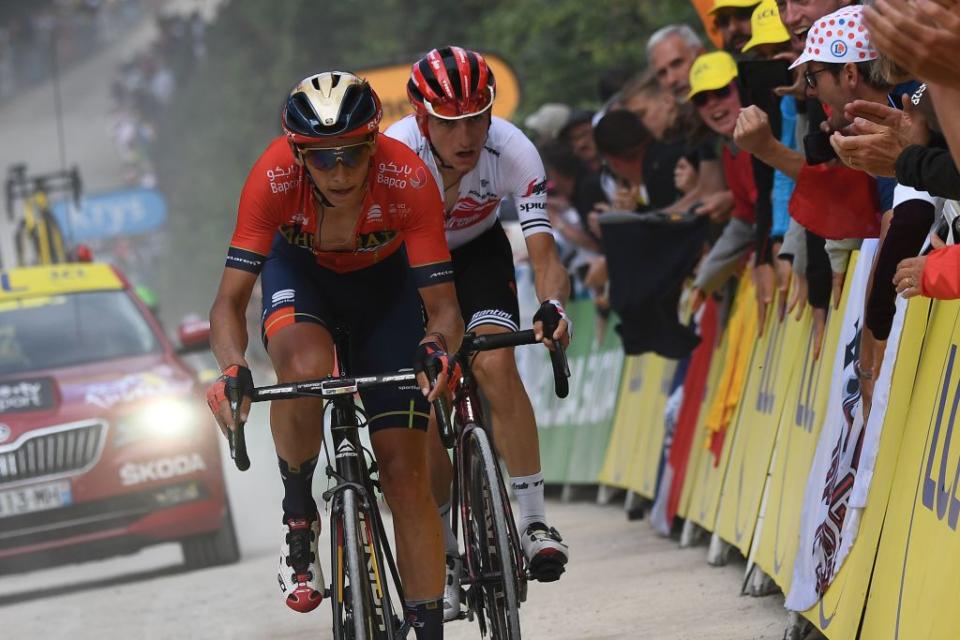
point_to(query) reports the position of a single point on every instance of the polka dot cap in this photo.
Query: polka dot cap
(838, 38)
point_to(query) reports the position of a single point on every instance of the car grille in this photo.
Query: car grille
(53, 451)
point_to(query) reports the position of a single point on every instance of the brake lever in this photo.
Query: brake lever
(441, 410)
(561, 368)
(561, 371)
(235, 436)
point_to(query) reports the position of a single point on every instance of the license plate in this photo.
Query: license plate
(38, 497)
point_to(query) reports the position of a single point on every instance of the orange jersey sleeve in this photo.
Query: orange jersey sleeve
(274, 186)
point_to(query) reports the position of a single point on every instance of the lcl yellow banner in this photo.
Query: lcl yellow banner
(917, 576)
(390, 84)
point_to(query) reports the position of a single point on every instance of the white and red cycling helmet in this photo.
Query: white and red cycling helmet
(450, 83)
(329, 107)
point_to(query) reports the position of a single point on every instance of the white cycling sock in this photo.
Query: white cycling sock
(529, 493)
(449, 540)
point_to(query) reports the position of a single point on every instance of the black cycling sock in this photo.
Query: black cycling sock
(426, 616)
(297, 488)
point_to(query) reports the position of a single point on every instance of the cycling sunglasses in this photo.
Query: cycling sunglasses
(703, 97)
(326, 158)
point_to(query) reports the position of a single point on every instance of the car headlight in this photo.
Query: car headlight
(163, 418)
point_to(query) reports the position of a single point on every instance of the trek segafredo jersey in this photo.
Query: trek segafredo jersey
(400, 208)
(509, 165)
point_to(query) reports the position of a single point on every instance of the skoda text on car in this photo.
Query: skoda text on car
(104, 444)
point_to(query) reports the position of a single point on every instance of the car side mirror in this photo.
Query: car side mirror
(194, 335)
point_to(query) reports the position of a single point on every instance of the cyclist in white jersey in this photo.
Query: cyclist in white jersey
(476, 160)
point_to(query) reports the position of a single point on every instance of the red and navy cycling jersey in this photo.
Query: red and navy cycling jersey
(401, 207)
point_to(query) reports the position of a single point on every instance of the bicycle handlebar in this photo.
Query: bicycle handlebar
(558, 357)
(329, 388)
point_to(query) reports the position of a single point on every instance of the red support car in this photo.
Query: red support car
(105, 444)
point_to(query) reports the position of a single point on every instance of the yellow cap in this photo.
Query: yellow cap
(732, 4)
(711, 71)
(766, 25)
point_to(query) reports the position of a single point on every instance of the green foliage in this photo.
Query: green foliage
(227, 109)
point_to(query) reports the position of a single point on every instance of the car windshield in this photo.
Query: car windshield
(65, 330)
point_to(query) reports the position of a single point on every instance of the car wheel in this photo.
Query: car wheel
(212, 549)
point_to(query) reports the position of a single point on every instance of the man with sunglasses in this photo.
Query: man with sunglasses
(345, 231)
(732, 20)
(476, 160)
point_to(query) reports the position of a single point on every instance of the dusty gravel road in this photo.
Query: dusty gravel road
(623, 582)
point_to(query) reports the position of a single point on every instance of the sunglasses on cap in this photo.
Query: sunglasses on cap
(703, 97)
(450, 109)
(326, 158)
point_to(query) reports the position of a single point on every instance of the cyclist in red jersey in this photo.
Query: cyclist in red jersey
(475, 160)
(344, 229)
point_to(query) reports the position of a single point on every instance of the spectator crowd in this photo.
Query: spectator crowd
(820, 123)
(145, 84)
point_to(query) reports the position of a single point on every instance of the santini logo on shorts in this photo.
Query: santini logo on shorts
(282, 297)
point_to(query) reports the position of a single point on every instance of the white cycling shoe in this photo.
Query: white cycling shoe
(300, 575)
(545, 551)
(451, 588)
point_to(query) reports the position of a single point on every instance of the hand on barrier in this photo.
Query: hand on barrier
(798, 300)
(763, 280)
(909, 276)
(837, 289)
(783, 271)
(819, 329)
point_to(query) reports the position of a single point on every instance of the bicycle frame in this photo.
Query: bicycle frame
(349, 469)
(468, 414)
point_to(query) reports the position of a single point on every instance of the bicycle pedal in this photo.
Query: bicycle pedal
(546, 570)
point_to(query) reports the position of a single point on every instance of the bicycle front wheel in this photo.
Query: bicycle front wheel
(361, 609)
(497, 575)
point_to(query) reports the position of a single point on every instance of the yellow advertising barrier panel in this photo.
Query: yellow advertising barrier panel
(632, 402)
(776, 355)
(797, 437)
(650, 425)
(709, 474)
(698, 451)
(838, 614)
(390, 83)
(917, 577)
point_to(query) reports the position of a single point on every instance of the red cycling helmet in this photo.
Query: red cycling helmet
(329, 107)
(450, 83)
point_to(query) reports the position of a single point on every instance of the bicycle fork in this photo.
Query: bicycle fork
(355, 495)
